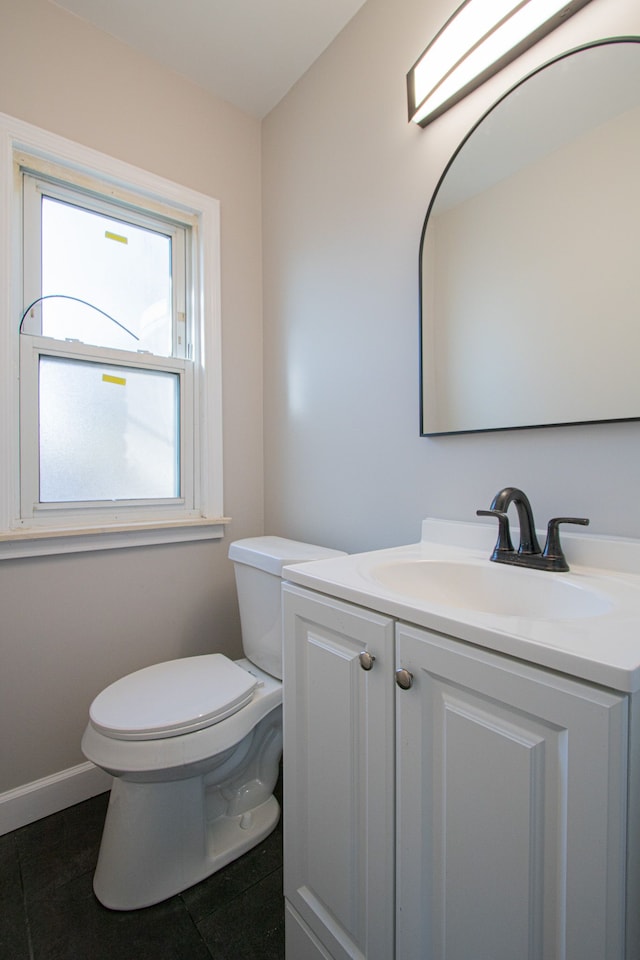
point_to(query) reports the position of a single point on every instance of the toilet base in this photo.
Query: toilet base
(160, 838)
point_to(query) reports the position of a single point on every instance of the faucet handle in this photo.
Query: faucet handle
(504, 544)
(553, 551)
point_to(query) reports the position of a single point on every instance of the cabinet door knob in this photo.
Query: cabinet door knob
(404, 679)
(366, 660)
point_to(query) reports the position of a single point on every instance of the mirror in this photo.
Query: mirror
(530, 255)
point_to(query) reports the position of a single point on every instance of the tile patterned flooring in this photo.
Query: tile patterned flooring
(48, 910)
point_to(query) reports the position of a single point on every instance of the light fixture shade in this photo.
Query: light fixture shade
(478, 40)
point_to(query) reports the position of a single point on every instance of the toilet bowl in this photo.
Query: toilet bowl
(194, 747)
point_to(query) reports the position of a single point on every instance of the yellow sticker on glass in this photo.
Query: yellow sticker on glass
(115, 236)
(121, 381)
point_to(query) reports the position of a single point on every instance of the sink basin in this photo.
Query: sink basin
(492, 588)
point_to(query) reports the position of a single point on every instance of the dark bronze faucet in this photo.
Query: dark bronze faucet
(529, 553)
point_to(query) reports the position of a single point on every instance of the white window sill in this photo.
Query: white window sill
(45, 542)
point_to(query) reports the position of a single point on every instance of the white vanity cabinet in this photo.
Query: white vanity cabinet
(480, 814)
(339, 779)
(511, 808)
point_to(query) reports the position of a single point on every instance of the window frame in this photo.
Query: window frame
(71, 528)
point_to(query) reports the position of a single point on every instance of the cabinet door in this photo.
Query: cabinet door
(338, 776)
(511, 809)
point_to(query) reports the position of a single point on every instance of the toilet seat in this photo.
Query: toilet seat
(172, 698)
(167, 758)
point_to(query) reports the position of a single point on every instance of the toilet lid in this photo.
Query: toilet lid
(172, 698)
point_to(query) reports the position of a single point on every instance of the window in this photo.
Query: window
(105, 346)
(114, 420)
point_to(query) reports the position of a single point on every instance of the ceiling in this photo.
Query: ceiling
(248, 52)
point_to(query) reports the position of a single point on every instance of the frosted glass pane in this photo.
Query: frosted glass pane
(107, 432)
(122, 269)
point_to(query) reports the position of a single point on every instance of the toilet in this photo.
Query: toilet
(194, 747)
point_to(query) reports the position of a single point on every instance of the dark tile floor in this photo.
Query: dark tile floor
(48, 910)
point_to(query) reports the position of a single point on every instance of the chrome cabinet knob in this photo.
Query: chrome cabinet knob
(366, 660)
(404, 679)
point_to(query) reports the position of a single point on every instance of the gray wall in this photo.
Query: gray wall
(71, 624)
(346, 185)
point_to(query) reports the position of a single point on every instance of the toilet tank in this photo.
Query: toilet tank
(258, 563)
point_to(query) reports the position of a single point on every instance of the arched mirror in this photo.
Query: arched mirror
(530, 255)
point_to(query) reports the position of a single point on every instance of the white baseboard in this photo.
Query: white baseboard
(38, 799)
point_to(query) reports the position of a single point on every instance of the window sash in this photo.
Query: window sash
(35, 186)
(32, 509)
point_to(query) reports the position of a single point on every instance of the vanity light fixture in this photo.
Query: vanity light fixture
(481, 38)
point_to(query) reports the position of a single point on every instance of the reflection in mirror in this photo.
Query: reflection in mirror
(530, 255)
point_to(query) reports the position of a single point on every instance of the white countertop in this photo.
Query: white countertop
(603, 648)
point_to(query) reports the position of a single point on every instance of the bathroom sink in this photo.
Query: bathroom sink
(584, 622)
(492, 588)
